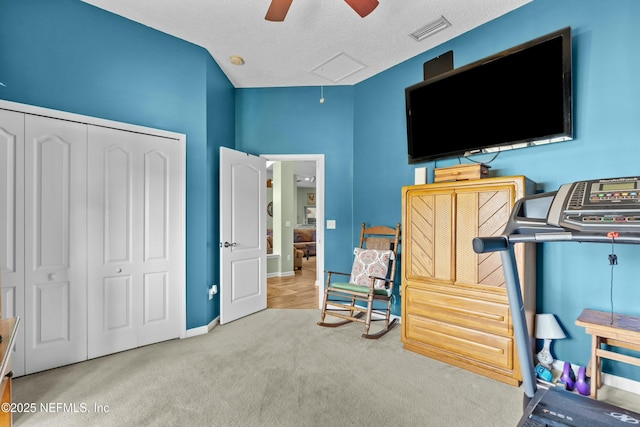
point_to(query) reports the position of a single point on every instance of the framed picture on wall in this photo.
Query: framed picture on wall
(309, 214)
(311, 198)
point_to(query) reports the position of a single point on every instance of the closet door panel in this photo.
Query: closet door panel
(12, 225)
(55, 227)
(117, 205)
(52, 311)
(117, 297)
(11, 189)
(133, 283)
(156, 205)
(161, 220)
(156, 297)
(113, 283)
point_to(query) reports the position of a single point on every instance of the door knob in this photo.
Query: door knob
(227, 244)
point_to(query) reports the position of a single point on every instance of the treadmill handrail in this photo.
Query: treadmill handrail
(501, 243)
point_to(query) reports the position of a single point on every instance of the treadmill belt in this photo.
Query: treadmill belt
(559, 408)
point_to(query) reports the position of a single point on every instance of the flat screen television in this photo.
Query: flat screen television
(516, 98)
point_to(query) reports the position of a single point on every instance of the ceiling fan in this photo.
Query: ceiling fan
(279, 8)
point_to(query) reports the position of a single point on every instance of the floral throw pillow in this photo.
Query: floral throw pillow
(370, 262)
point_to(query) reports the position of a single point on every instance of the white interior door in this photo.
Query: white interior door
(12, 225)
(134, 240)
(55, 242)
(243, 234)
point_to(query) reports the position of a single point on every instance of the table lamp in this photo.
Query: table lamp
(547, 329)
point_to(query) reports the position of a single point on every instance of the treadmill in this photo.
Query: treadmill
(598, 211)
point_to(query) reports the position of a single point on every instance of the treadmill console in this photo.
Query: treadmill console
(597, 205)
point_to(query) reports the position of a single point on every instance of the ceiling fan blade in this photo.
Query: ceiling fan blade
(362, 7)
(278, 10)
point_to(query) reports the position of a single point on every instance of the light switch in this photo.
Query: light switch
(331, 224)
(287, 223)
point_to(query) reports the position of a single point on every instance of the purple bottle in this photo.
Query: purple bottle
(568, 377)
(581, 383)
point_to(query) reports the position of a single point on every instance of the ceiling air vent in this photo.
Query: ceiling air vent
(430, 29)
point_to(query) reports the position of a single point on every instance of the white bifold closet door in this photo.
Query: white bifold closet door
(12, 225)
(55, 295)
(43, 217)
(134, 234)
(91, 238)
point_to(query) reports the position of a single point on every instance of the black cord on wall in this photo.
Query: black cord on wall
(613, 261)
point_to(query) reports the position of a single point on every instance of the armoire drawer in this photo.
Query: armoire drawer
(469, 313)
(458, 341)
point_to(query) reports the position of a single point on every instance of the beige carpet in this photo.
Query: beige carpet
(274, 368)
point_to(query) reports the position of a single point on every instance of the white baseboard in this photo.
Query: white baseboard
(622, 383)
(201, 330)
(281, 274)
(607, 379)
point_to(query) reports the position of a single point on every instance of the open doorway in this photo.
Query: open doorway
(302, 231)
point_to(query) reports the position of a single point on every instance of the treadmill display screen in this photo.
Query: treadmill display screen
(618, 186)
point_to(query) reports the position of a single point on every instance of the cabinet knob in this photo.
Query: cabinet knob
(118, 270)
(52, 276)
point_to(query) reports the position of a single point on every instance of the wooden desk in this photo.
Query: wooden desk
(623, 331)
(8, 329)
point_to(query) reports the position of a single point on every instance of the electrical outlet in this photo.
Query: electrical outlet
(212, 291)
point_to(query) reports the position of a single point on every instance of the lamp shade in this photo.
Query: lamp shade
(547, 327)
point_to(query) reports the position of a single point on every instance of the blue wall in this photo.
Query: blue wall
(70, 56)
(292, 120)
(220, 133)
(607, 127)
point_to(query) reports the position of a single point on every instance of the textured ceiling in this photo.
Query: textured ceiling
(321, 42)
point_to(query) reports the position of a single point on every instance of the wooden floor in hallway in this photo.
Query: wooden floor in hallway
(297, 291)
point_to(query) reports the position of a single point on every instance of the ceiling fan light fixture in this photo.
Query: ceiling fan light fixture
(236, 60)
(362, 7)
(430, 29)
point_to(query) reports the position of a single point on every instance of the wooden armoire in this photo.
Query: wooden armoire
(454, 301)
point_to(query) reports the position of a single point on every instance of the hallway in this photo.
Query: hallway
(297, 291)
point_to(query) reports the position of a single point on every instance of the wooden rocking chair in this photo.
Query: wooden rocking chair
(371, 280)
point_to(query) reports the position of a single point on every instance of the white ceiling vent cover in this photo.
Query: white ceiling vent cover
(430, 29)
